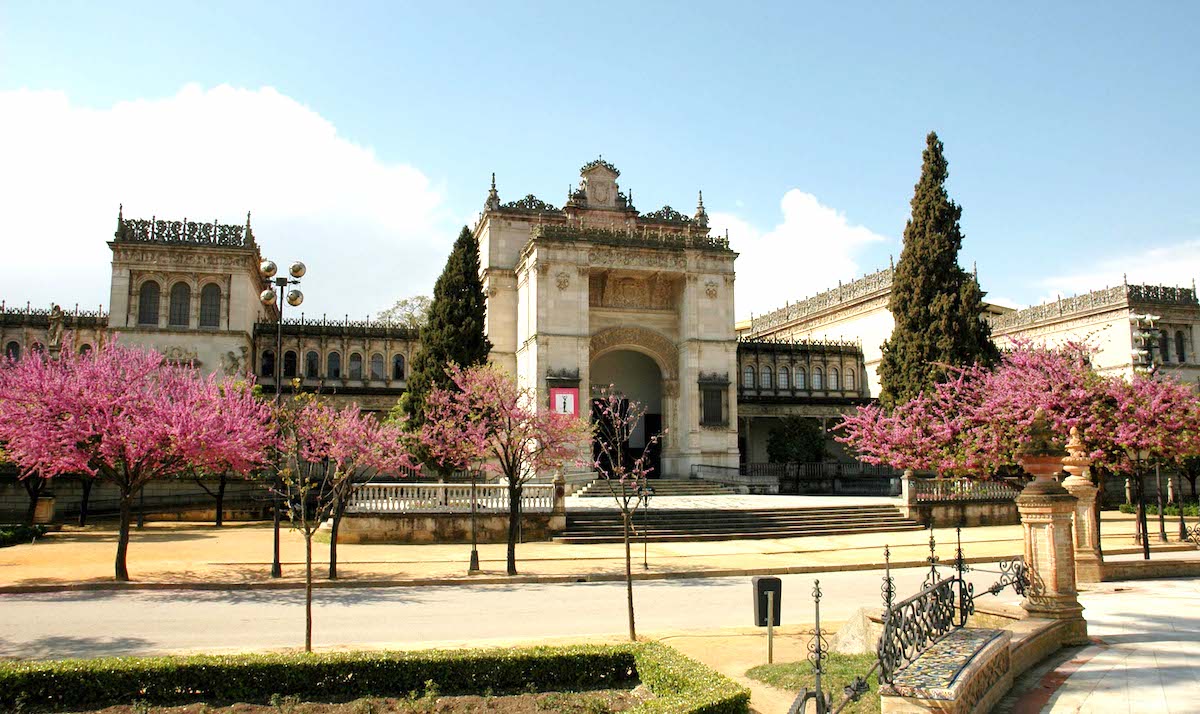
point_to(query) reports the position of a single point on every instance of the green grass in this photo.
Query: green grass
(840, 670)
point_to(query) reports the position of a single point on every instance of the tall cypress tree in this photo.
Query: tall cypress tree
(454, 329)
(935, 303)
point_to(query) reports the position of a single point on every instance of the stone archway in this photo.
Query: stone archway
(664, 353)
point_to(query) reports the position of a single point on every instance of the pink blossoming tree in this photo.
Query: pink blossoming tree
(126, 416)
(974, 424)
(489, 419)
(326, 454)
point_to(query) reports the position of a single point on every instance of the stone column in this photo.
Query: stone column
(1089, 561)
(1047, 510)
(558, 510)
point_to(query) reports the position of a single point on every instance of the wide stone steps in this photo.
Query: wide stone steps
(662, 487)
(664, 526)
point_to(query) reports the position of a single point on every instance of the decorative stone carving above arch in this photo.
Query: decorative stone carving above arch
(639, 339)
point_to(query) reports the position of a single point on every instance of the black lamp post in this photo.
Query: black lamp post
(268, 297)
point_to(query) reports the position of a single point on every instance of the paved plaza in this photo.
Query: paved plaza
(239, 556)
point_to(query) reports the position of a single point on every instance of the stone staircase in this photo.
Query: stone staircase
(662, 487)
(680, 525)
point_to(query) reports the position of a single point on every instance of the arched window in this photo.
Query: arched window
(356, 365)
(181, 305)
(1164, 347)
(833, 378)
(801, 378)
(38, 348)
(289, 363)
(210, 305)
(148, 304)
(85, 349)
(748, 377)
(377, 366)
(13, 351)
(765, 377)
(268, 363)
(312, 365)
(850, 379)
(333, 366)
(1180, 353)
(398, 367)
(784, 378)
(817, 377)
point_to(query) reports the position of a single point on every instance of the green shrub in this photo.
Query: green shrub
(16, 534)
(680, 684)
(1189, 509)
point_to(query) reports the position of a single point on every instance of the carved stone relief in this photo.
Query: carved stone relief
(562, 280)
(630, 292)
(710, 289)
(660, 348)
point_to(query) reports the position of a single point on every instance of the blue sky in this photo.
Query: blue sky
(363, 134)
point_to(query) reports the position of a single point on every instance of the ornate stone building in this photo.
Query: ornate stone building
(596, 293)
(858, 310)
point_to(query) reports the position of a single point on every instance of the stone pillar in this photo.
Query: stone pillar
(558, 510)
(1047, 510)
(1089, 561)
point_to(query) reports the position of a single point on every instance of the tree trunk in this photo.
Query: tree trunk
(308, 591)
(1143, 531)
(514, 525)
(122, 571)
(83, 503)
(220, 520)
(629, 581)
(335, 520)
(33, 486)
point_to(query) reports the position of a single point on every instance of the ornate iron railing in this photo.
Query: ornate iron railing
(917, 622)
(644, 238)
(866, 285)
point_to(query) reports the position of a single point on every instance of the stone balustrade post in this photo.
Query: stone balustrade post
(558, 508)
(1089, 561)
(1047, 511)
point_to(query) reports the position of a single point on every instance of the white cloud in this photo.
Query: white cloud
(810, 250)
(1177, 264)
(370, 230)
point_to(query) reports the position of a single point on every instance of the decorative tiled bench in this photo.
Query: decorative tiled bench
(966, 671)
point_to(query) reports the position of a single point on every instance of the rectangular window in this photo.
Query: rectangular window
(712, 406)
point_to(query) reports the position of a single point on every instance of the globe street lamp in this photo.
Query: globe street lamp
(267, 297)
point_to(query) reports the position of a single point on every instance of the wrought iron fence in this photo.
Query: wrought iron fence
(911, 626)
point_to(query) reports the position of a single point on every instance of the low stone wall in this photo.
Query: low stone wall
(1149, 569)
(443, 527)
(965, 513)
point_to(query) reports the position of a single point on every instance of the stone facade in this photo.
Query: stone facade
(578, 297)
(858, 311)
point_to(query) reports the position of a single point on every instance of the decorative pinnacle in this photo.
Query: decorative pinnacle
(120, 212)
(701, 200)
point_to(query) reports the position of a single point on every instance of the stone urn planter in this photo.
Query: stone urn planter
(1042, 457)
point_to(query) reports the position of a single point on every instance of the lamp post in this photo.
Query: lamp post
(268, 298)
(473, 567)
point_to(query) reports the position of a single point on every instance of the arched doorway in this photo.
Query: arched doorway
(638, 378)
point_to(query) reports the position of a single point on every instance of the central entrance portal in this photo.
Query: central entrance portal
(638, 378)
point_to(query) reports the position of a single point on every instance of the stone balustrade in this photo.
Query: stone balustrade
(405, 498)
(961, 489)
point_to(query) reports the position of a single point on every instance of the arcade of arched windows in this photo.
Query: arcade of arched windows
(781, 375)
(179, 301)
(381, 363)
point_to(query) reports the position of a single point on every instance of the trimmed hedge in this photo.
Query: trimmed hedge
(18, 534)
(679, 683)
